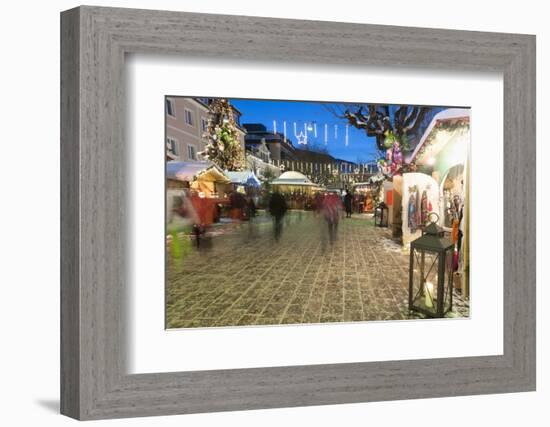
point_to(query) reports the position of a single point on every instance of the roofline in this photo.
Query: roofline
(236, 109)
(201, 104)
(440, 117)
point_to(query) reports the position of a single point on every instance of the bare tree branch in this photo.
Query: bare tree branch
(379, 122)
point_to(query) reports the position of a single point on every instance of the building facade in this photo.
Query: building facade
(258, 137)
(186, 122)
(186, 125)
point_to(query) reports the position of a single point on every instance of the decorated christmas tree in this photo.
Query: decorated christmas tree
(224, 146)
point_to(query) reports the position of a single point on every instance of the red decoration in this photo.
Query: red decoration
(389, 197)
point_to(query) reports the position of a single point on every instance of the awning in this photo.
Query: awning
(454, 118)
(191, 171)
(293, 182)
(293, 178)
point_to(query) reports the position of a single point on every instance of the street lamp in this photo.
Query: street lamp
(381, 215)
(431, 273)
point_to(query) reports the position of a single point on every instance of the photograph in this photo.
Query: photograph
(282, 212)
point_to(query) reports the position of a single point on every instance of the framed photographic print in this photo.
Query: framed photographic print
(310, 225)
(294, 213)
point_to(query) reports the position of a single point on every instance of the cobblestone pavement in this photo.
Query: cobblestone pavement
(246, 278)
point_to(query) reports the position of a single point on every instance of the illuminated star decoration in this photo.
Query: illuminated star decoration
(302, 138)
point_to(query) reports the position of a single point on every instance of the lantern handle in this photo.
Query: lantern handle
(430, 217)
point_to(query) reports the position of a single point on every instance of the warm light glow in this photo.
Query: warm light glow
(428, 300)
(430, 161)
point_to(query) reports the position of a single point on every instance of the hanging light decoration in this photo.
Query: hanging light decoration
(347, 136)
(301, 138)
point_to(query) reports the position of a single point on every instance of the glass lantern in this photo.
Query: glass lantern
(381, 215)
(431, 273)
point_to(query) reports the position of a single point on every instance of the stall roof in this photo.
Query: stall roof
(449, 115)
(189, 171)
(246, 177)
(362, 184)
(293, 178)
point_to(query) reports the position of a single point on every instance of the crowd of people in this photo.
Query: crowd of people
(361, 202)
(328, 205)
(201, 212)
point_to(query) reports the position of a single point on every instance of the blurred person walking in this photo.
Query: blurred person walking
(277, 208)
(251, 215)
(348, 203)
(205, 212)
(332, 208)
(237, 206)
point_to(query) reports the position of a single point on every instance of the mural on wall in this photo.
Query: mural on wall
(420, 198)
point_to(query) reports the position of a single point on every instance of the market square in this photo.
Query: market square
(338, 213)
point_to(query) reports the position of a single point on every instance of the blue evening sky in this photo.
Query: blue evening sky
(360, 148)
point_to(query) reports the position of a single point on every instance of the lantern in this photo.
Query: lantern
(431, 273)
(381, 215)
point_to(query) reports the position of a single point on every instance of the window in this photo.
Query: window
(189, 117)
(204, 124)
(171, 146)
(191, 153)
(170, 108)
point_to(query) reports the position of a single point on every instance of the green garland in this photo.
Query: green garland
(441, 126)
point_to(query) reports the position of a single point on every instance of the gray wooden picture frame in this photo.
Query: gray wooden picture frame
(94, 42)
